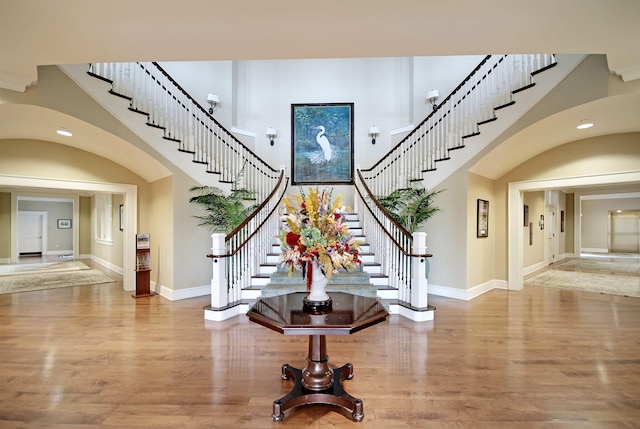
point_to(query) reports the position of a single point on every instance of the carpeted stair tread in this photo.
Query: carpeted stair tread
(285, 288)
(353, 278)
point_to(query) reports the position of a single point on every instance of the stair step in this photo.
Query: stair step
(531, 85)
(343, 278)
(117, 94)
(283, 289)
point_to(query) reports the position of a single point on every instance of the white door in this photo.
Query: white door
(31, 232)
(625, 232)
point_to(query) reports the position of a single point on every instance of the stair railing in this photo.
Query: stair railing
(167, 106)
(489, 87)
(238, 255)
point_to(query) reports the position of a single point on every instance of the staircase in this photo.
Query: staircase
(366, 280)
(246, 262)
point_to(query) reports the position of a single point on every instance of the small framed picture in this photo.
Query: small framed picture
(64, 223)
(121, 217)
(483, 219)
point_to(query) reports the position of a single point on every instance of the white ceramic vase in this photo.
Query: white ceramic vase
(318, 285)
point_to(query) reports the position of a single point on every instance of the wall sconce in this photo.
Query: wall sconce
(271, 134)
(374, 132)
(213, 101)
(432, 96)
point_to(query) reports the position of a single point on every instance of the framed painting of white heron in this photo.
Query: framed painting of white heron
(322, 143)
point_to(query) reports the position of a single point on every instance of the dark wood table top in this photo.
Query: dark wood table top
(288, 315)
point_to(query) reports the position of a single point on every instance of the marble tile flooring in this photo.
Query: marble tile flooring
(615, 274)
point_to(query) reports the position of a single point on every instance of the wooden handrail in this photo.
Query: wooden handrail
(404, 232)
(246, 221)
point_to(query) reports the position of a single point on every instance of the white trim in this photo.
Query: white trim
(219, 316)
(467, 294)
(60, 252)
(107, 265)
(179, 294)
(243, 132)
(593, 250)
(405, 129)
(416, 316)
(535, 267)
(611, 196)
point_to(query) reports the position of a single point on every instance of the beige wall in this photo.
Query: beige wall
(5, 226)
(480, 250)
(447, 234)
(85, 225)
(569, 225)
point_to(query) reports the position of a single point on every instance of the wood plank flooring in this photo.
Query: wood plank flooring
(93, 357)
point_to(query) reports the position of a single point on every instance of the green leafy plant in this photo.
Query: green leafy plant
(410, 207)
(223, 213)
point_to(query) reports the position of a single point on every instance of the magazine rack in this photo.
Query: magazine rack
(143, 266)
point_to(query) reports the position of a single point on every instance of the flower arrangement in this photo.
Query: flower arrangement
(315, 233)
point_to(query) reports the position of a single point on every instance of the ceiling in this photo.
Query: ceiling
(35, 32)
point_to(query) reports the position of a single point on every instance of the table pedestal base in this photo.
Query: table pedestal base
(318, 384)
(334, 395)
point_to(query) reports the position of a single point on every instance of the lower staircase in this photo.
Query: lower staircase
(365, 280)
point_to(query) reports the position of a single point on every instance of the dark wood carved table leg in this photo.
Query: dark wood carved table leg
(317, 383)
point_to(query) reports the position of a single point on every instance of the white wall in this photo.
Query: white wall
(594, 210)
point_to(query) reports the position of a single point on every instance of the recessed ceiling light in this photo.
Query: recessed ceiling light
(584, 124)
(64, 132)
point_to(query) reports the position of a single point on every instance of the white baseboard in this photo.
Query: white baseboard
(5, 260)
(535, 267)
(176, 295)
(566, 256)
(60, 252)
(106, 264)
(593, 250)
(468, 294)
(219, 316)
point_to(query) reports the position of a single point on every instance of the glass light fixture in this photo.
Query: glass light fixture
(213, 101)
(374, 131)
(271, 134)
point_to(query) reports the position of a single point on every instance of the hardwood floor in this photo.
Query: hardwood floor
(93, 357)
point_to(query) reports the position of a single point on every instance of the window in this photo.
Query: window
(104, 218)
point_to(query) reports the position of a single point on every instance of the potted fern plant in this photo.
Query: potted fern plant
(410, 207)
(223, 213)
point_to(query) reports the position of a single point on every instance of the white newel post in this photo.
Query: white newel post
(219, 296)
(419, 271)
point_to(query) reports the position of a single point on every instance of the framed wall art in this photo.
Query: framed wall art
(64, 223)
(483, 219)
(322, 143)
